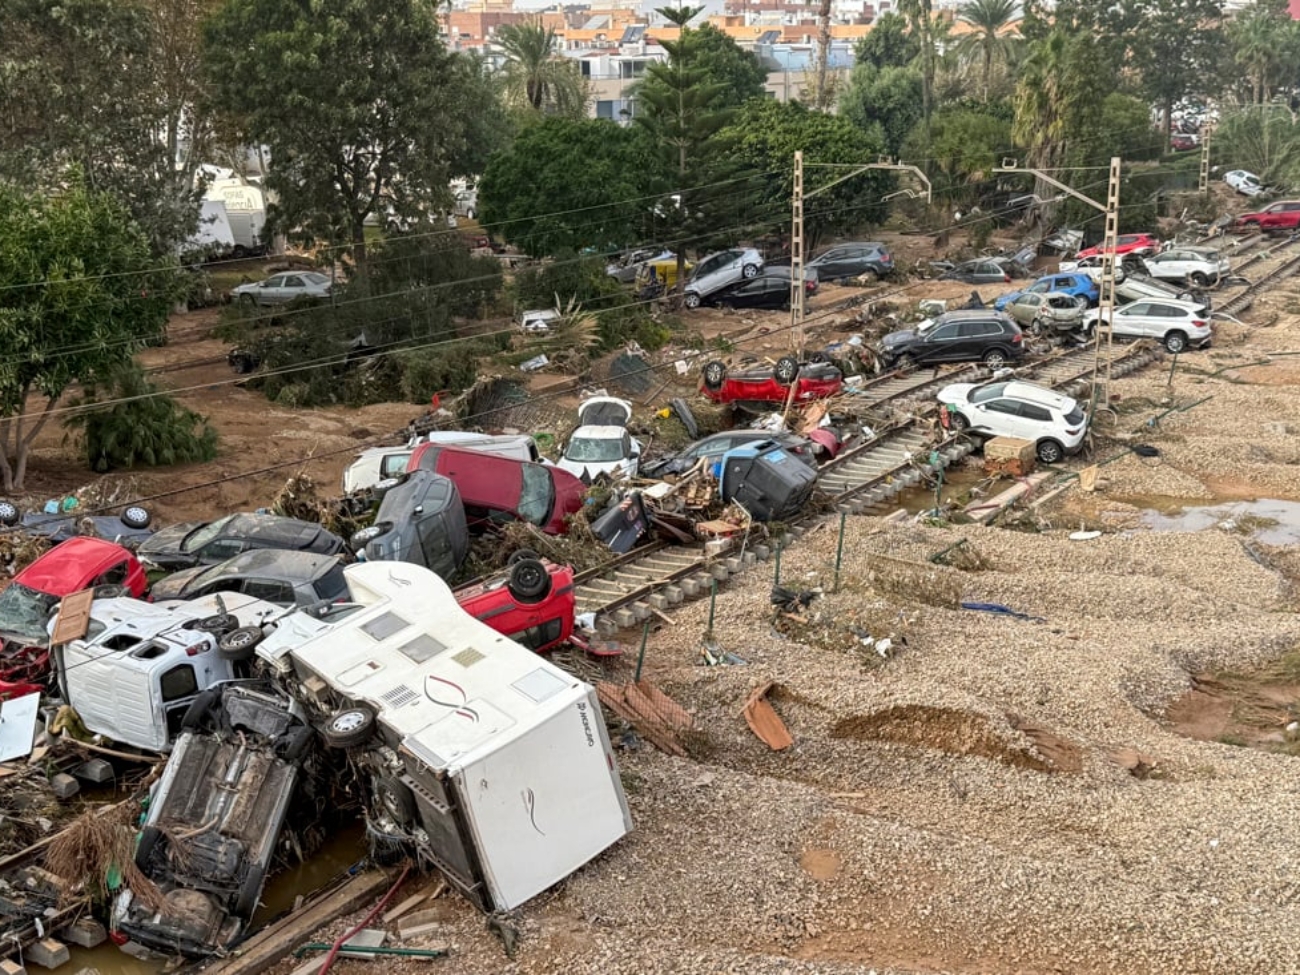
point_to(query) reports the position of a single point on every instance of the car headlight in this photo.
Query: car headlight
(361, 538)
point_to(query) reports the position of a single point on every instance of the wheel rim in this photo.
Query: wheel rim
(1049, 453)
(995, 360)
(529, 576)
(1175, 344)
(238, 640)
(348, 721)
(750, 271)
(7, 511)
(136, 514)
(692, 301)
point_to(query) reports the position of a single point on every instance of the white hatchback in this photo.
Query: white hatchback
(1053, 423)
(1244, 182)
(1177, 324)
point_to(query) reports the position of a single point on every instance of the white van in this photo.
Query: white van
(378, 463)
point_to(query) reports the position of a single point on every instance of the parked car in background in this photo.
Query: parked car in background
(957, 336)
(497, 489)
(1284, 215)
(380, 463)
(1183, 141)
(539, 319)
(844, 262)
(763, 385)
(1048, 312)
(283, 578)
(710, 450)
(811, 279)
(1140, 244)
(626, 270)
(1244, 182)
(27, 602)
(1076, 284)
(280, 289)
(1055, 424)
(602, 445)
(718, 270)
(1177, 324)
(1201, 266)
(206, 543)
(981, 271)
(374, 465)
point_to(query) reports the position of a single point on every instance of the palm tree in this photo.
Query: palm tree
(537, 77)
(990, 19)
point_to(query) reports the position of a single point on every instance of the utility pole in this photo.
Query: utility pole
(1204, 184)
(797, 290)
(1106, 309)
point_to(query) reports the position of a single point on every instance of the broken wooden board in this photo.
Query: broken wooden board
(654, 715)
(763, 720)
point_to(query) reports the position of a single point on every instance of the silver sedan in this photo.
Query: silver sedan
(280, 289)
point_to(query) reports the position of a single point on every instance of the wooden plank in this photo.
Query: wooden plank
(668, 709)
(277, 941)
(764, 721)
(74, 616)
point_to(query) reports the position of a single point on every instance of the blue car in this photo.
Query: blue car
(1075, 284)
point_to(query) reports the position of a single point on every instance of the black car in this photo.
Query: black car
(421, 520)
(284, 578)
(767, 290)
(956, 336)
(853, 260)
(713, 447)
(206, 543)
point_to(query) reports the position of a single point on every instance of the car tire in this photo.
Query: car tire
(519, 555)
(904, 363)
(145, 845)
(1199, 279)
(250, 891)
(246, 301)
(1036, 328)
(395, 799)
(691, 299)
(529, 581)
(238, 645)
(749, 271)
(199, 709)
(350, 727)
(958, 422)
(1175, 342)
(1050, 452)
(218, 625)
(715, 374)
(136, 516)
(786, 370)
(995, 358)
(870, 276)
(9, 514)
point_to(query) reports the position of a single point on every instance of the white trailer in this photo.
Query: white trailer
(245, 211)
(483, 758)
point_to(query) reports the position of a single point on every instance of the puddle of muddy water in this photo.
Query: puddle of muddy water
(956, 488)
(344, 849)
(1267, 520)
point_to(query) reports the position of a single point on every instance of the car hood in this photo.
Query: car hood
(167, 541)
(956, 393)
(588, 471)
(903, 337)
(1003, 300)
(173, 586)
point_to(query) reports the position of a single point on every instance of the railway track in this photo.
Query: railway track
(1263, 267)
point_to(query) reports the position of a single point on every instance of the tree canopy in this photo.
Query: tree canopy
(81, 295)
(536, 76)
(739, 74)
(364, 110)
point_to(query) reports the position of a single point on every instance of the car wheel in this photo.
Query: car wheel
(1199, 279)
(250, 891)
(1037, 329)
(529, 581)
(870, 276)
(957, 421)
(218, 625)
(995, 358)
(749, 271)
(692, 299)
(520, 555)
(395, 799)
(136, 516)
(9, 514)
(246, 301)
(715, 373)
(1176, 342)
(787, 370)
(349, 727)
(1186, 296)
(238, 645)
(904, 363)
(1050, 452)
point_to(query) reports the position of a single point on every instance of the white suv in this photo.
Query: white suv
(1178, 324)
(1054, 424)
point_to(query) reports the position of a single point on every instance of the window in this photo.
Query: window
(223, 548)
(333, 584)
(1075, 416)
(1141, 308)
(1032, 412)
(178, 682)
(979, 329)
(605, 108)
(538, 494)
(988, 392)
(293, 281)
(116, 576)
(272, 590)
(944, 333)
(1007, 406)
(539, 635)
(393, 465)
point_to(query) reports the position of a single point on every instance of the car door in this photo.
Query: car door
(1133, 320)
(269, 290)
(1024, 308)
(986, 272)
(833, 264)
(220, 549)
(996, 418)
(941, 344)
(751, 294)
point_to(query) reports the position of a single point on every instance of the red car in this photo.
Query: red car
(1183, 141)
(1282, 215)
(26, 603)
(766, 385)
(1140, 244)
(496, 489)
(533, 605)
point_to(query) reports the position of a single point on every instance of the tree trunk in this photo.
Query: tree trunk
(822, 97)
(359, 246)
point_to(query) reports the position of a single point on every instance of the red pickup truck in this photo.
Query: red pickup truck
(1282, 215)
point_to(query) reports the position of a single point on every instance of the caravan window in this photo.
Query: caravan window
(382, 627)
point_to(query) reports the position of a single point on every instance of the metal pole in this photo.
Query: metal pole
(839, 550)
(1203, 185)
(713, 601)
(645, 635)
(1107, 303)
(796, 258)
(777, 580)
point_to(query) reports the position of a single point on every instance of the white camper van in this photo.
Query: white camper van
(483, 758)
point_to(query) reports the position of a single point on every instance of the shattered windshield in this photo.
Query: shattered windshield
(204, 534)
(24, 612)
(594, 450)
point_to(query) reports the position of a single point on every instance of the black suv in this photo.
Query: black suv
(956, 336)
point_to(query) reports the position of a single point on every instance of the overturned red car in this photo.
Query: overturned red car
(764, 385)
(534, 604)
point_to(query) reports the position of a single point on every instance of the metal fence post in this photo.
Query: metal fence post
(713, 601)
(839, 549)
(640, 657)
(777, 580)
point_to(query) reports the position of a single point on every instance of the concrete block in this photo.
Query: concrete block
(720, 572)
(641, 611)
(94, 770)
(673, 594)
(657, 600)
(733, 564)
(48, 953)
(624, 618)
(606, 627)
(407, 925)
(64, 785)
(761, 552)
(690, 588)
(748, 558)
(10, 967)
(86, 932)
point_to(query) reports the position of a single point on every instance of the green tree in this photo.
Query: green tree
(884, 100)
(763, 138)
(1264, 44)
(921, 22)
(536, 75)
(1177, 49)
(1264, 140)
(114, 89)
(889, 44)
(1058, 97)
(364, 110)
(568, 184)
(79, 294)
(965, 145)
(1128, 120)
(739, 74)
(990, 41)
